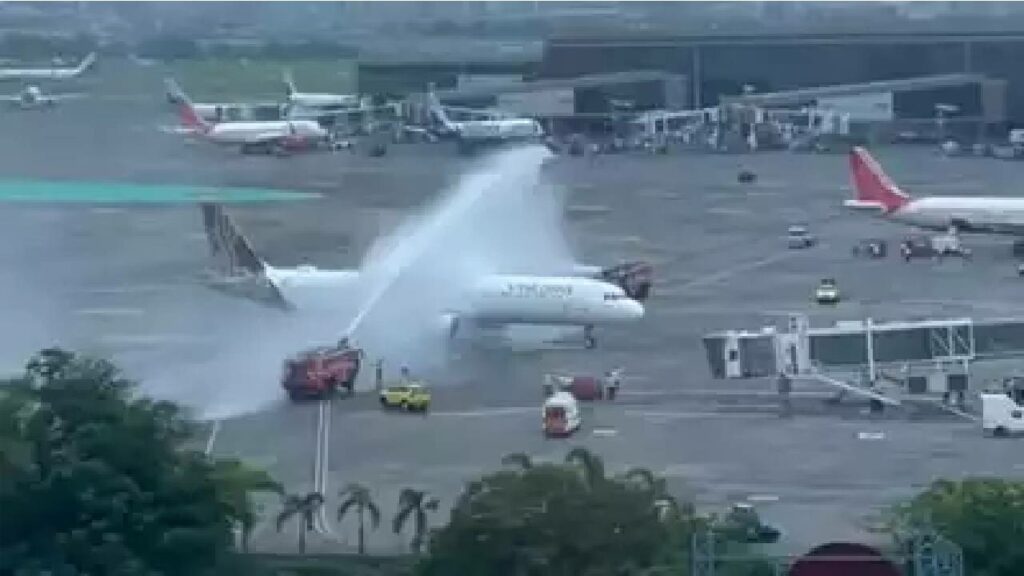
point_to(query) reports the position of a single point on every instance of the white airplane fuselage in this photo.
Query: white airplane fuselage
(966, 214)
(324, 100)
(495, 298)
(490, 130)
(250, 132)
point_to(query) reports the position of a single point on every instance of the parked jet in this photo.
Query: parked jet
(47, 73)
(32, 98)
(271, 136)
(320, 101)
(473, 133)
(493, 300)
(875, 192)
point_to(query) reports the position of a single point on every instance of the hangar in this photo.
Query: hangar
(722, 64)
(933, 107)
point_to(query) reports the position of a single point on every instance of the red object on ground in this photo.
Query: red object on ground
(843, 559)
(318, 372)
(586, 388)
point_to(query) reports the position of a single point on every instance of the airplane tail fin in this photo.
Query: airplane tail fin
(86, 63)
(190, 118)
(235, 263)
(289, 83)
(872, 187)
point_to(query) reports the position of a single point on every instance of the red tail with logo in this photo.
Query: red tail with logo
(871, 184)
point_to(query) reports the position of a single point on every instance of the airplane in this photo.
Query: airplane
(33, 98)
(876, 192)
(48, 73)
(268, 137)
(319, 101)
(493, 301)
(473, 133)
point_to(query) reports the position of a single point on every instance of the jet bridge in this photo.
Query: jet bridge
(865, 347)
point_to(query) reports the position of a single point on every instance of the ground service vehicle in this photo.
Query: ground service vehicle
(582, 388)
(1002, 413)
(799, 237)
(633, 277)
(934, 247)
(411, 397)
(827, 292)
(872, 248)
(319, 372)
(561, 415)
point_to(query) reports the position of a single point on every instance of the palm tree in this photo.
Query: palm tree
(520, 460)
(304, 508)
(414, 504)
(590, 465)
(239, 483)
(358, 496)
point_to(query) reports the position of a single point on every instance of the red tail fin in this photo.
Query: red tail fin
(190, 118)
(871, 184)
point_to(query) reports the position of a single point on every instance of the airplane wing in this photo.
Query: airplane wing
(62, 97)
(237, 269)
(14, 99)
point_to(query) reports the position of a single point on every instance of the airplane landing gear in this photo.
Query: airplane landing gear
(589, 342)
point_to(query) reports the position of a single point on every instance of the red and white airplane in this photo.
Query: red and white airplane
(270, 136)
(875, 192)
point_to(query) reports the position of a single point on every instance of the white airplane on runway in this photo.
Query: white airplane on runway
(875, 192)
(493, 301)
(47, 73)
(271, 136)
(473, 133)
(32, 98)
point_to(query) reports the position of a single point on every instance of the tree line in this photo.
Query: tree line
(36, 46)
(95, 478)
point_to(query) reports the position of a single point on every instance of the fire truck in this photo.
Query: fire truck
(319, 372)
(635, 278)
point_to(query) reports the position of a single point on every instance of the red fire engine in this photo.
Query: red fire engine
(319, 372)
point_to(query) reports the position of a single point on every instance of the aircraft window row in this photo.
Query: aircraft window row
(610, 297)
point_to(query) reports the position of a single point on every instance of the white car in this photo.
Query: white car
(800, 237)
(827, 292)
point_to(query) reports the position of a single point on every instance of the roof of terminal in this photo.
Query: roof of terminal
(903, 85)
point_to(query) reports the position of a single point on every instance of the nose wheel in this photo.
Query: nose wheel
(589, 342)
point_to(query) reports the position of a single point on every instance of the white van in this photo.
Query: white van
(1001, 415)
(561, 414)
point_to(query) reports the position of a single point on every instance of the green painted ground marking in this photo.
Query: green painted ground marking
(121, 193)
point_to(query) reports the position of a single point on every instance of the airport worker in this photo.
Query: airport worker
(785, 388)
(406, 376)
(613, 379)
(549, 384)
(379, 375)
